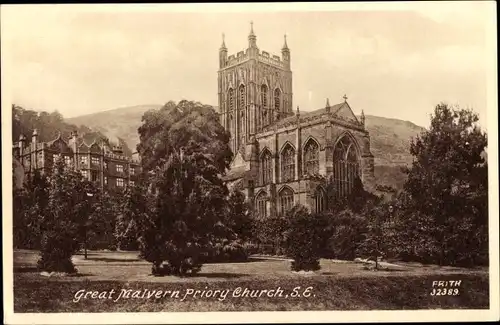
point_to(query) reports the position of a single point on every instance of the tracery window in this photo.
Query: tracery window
(287, 164)
(285, 200)
(319, 200)
(311, 158)
(260, 204)
(266, 168)
(345, 166)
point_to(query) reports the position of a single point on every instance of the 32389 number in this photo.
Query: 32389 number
(445, 292)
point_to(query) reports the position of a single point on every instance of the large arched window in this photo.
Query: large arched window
(311, 158)
(260, 204)
(319, 200)
(287, 163)
(241, 115)
(345, 166)
(285, 200)
(266, 167)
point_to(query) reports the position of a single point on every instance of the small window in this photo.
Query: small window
(131, 183)
(119, 182)
(105, 180)
(132, 171)
(67, 160)
(94, 175)
(96, 161)
(85, 173)
(105, 165)
(84, 160)
(119, 168)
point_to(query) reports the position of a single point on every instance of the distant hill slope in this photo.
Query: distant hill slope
(119, 123)
(390, 138)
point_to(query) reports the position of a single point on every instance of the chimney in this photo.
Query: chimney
(34, 138)
(22, 140)
(118, 150)
(73, 140)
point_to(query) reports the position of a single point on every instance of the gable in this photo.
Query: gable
(238, 161)
(60, 146)
(345, 112)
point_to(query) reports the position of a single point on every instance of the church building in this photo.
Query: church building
(282, 157)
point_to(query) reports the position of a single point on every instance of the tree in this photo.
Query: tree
(184, 151)
(238, 218)
(304, 238)
(29, 203)
(130, 208)
(447, 186)
(62, 222)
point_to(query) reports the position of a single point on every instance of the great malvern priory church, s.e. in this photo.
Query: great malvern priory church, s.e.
(279, 153)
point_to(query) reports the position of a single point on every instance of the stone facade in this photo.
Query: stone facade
(283, 158)
(99, 162)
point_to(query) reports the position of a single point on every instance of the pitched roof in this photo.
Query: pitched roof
(235, 173)
(308, 114)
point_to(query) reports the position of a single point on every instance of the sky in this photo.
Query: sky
(396, 60)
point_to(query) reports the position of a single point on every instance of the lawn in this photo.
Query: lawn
(337, 286)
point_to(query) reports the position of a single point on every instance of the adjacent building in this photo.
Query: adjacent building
(282, 157)
(99, 162)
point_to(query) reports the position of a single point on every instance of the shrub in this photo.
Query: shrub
(268, 234)
(226, 251)
(56, 253)
(178, 261)
(304, 238)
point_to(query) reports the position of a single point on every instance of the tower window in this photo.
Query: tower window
(264, 101)
(241, 103)
(231, 99)
(277, 100)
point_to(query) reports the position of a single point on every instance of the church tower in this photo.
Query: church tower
(254, 90)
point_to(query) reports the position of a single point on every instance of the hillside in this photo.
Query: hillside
(389, 137)
(121, 122)
(50, 125)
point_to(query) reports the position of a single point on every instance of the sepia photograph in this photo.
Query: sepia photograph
(273, 162)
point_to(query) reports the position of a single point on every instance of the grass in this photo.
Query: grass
(338, 286)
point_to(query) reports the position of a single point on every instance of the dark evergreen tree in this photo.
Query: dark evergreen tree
(446, 194)
(184, 151)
